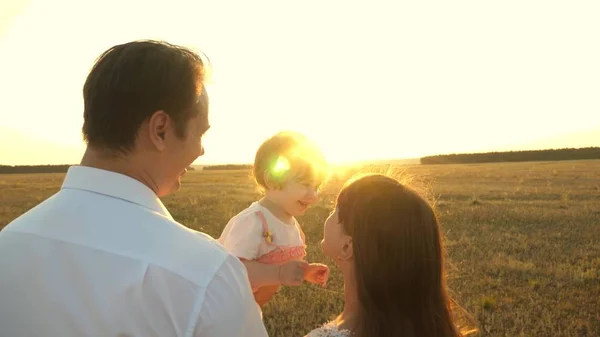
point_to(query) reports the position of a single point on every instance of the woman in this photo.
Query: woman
(385, 238)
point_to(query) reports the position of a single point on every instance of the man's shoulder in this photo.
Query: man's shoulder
(195, 242)
(128, 231)
(191, 254)
(33, 215)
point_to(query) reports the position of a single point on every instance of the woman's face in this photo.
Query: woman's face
(335, 240)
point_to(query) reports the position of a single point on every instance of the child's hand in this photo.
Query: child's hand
(292, 273)
(317, 273)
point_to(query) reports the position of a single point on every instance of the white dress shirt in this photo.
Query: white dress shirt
(103, 257)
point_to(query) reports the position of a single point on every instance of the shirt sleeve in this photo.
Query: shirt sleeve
(229, 308)
(243, 237)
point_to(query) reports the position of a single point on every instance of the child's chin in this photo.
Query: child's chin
(298, 213)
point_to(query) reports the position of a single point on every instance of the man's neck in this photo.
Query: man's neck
(119, 163)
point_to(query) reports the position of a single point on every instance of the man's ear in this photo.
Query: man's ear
(158, 126)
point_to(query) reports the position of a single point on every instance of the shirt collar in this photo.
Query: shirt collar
(114, 185)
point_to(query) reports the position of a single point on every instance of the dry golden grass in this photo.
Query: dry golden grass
(523, 240)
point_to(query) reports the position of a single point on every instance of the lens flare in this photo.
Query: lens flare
(282, 165)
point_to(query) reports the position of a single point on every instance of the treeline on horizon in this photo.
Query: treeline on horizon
(7, 169)
(228, 167)
(463, 158)
(4, 169)
(514, 156)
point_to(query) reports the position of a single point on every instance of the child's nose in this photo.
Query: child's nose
(312, 195)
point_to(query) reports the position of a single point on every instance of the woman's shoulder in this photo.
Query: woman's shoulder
(330, 329)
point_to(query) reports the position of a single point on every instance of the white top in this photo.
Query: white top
(243, 234)
(330, 329)
(103, 257)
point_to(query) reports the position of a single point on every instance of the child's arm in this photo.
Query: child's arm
(288, 274)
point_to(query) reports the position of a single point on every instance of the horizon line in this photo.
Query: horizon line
(346, 162)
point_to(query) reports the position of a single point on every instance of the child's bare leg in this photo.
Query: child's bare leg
(264, 294)
(288, 274)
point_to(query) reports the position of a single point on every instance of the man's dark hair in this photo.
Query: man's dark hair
(131, 81)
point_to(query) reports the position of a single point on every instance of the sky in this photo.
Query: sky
(364, 79)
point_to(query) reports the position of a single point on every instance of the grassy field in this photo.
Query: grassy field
(523, 240)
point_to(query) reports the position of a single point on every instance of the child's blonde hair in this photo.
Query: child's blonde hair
(288, 155)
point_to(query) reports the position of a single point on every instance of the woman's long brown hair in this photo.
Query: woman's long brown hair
(398, 259)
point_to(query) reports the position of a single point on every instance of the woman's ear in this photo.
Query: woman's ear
(347, 249)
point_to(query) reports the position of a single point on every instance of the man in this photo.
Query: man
(103, 256)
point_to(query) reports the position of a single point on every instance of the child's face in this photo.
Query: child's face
(295, 197)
